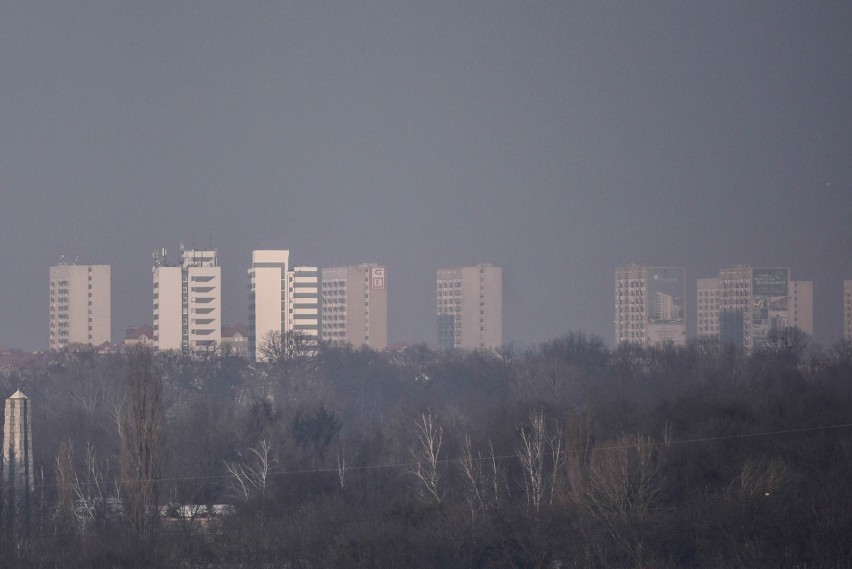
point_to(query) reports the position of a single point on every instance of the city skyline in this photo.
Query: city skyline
(558, 140)
(663, 299)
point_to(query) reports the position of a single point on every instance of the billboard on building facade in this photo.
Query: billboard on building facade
(666, 289)
(769, 289)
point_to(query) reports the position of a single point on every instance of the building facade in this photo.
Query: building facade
(354, 304)
(756, 303)
(80, 305)
(650, 305)
(801, 306)
(187, 301)
(709, 301)
(281, 298)
(470, 307)
(268, 296)
(303, 313)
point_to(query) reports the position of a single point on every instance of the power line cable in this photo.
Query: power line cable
(411, 465)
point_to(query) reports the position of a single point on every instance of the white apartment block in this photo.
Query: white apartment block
(188, 301)
(268, 295)
(650, 305)
(709, 301)
(281, 298)
(80, 305)
(303, 314)
(847, 310)
(470, 307)
(355, 306)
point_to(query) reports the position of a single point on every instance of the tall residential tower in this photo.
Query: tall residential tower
(470, 307)
(281, 298)
(709, 297)
(80, 305)
(801, 305)
(755, 303)
(267, 295)
(650, 305)
(355, 306)
(188, 301)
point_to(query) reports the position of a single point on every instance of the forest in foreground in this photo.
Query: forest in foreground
(564, 455)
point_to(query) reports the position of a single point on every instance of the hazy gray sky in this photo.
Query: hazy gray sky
(557, 139)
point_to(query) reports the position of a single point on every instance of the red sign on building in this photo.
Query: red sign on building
(377, 278)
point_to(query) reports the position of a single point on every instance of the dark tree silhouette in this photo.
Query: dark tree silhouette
(141, 427)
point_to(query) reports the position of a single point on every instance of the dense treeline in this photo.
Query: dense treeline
(565, 455)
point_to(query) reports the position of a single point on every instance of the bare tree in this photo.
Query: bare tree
(141, 433)
(620, 479)
(532, 457)
(472, 473)
(558, 461)
(484, 480)
(430, 436)
(92, 489)
(341, 467)
(251, 477)
(615, 487)
(277, 347)
(65, 484)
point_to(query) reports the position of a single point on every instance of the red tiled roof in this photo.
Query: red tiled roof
(231, 331)
(136, 332)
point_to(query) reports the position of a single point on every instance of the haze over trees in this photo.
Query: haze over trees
(564, 455)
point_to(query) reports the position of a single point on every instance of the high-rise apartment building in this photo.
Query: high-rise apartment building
(847, 310)
(709, 301)
(268, 296)
(281, 298)
(80, 305)
(355, 306)
(758, 302)
(801, 306)
(188, 301)
(303, 315)
(470, 307)
(650, 305)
